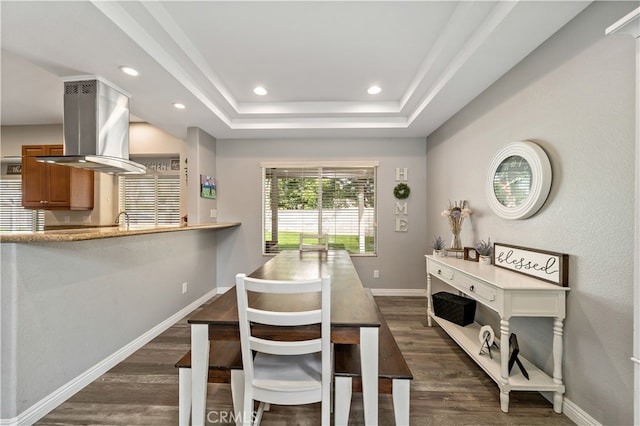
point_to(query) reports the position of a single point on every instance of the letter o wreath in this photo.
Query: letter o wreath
(401, 191)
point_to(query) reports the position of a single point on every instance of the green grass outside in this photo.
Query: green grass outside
(291, 241)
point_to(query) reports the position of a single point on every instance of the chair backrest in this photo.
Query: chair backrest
(249, 315)
(314, 242)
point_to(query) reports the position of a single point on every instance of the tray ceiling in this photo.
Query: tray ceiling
(315, 58)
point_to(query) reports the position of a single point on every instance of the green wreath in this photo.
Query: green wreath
(401, 191)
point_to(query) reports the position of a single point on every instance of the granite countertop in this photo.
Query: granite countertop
(80, 234)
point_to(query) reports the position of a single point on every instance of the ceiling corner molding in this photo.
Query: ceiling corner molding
(451, 26)
(629, 24)
(495, 18)
(116, 13)
(169, 25)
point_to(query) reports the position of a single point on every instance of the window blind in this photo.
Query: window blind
(337, 201)
(14, 217)
(150, 200)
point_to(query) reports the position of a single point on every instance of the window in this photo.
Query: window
(14, 217)
(337, 201)
(150, 200)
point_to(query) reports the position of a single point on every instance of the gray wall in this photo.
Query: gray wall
(67, 306)
(201, 160)
(575, 97)
(400, 257)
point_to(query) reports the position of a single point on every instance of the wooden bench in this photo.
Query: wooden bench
(394, 375)
(225, 366)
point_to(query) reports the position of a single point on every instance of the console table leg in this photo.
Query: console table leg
(504, 364)
(429, 303)
(557, 402)
(504, 401)
(558, 327)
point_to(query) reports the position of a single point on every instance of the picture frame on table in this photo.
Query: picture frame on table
(471, 254)
(514, 350)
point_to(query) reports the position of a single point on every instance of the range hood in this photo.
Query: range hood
(96, 128)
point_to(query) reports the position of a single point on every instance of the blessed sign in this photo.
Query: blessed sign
(545, 265)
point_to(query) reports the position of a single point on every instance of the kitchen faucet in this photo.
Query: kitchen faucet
(126, 218)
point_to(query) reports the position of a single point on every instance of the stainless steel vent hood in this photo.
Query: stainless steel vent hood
(96, 128)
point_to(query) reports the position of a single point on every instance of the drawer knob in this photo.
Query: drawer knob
(439, 271)
(471, 288)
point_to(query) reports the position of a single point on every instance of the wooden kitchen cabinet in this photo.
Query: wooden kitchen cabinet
(51, 186)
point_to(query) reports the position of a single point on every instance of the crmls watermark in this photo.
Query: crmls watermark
(227, 417)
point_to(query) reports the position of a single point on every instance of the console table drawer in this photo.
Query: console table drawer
(477, 289)
(443, 272)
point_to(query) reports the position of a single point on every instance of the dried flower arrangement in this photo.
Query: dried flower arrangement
(455, 214)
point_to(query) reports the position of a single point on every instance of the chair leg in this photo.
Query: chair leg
(342, 400)
(261, 410)
(401, 400)
(247, 407)
(237, 394)
(184, 396)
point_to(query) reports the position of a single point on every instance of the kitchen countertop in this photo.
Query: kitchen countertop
(80, 234)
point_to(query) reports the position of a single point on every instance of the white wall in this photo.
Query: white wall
(400, 257)
(575, 97)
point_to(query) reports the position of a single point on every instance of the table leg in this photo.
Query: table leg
(429, 303)
(369, 365)
(237, 394)
(557, 363)
(504, 364)
(199, 370)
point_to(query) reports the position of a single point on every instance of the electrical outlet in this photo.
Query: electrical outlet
(213, 213)
(184, 287)
(67, 219)
(376, 273)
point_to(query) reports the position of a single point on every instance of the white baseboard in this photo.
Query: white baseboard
(406, 292)
(577, 414)
(57, 397)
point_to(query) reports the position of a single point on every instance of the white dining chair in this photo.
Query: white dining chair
(314, 242)
(285, 372)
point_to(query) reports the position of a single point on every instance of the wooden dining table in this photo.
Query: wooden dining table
(354, 319)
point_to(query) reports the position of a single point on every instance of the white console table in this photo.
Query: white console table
(509, 294)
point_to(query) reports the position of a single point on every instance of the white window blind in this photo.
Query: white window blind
(337, 201)
(14, 217)
(150, 200)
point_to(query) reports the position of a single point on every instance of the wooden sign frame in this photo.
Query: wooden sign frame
(542, 264)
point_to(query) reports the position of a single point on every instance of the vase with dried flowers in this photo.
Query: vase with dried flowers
(456, 214)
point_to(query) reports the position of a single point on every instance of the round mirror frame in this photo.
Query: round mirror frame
(541, 177)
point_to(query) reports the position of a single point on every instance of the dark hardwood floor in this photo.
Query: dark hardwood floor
(448, 387)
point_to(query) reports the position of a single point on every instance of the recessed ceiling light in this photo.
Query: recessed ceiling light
(260, 91)
(178, 105)
(374, 90)
(129, 71)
